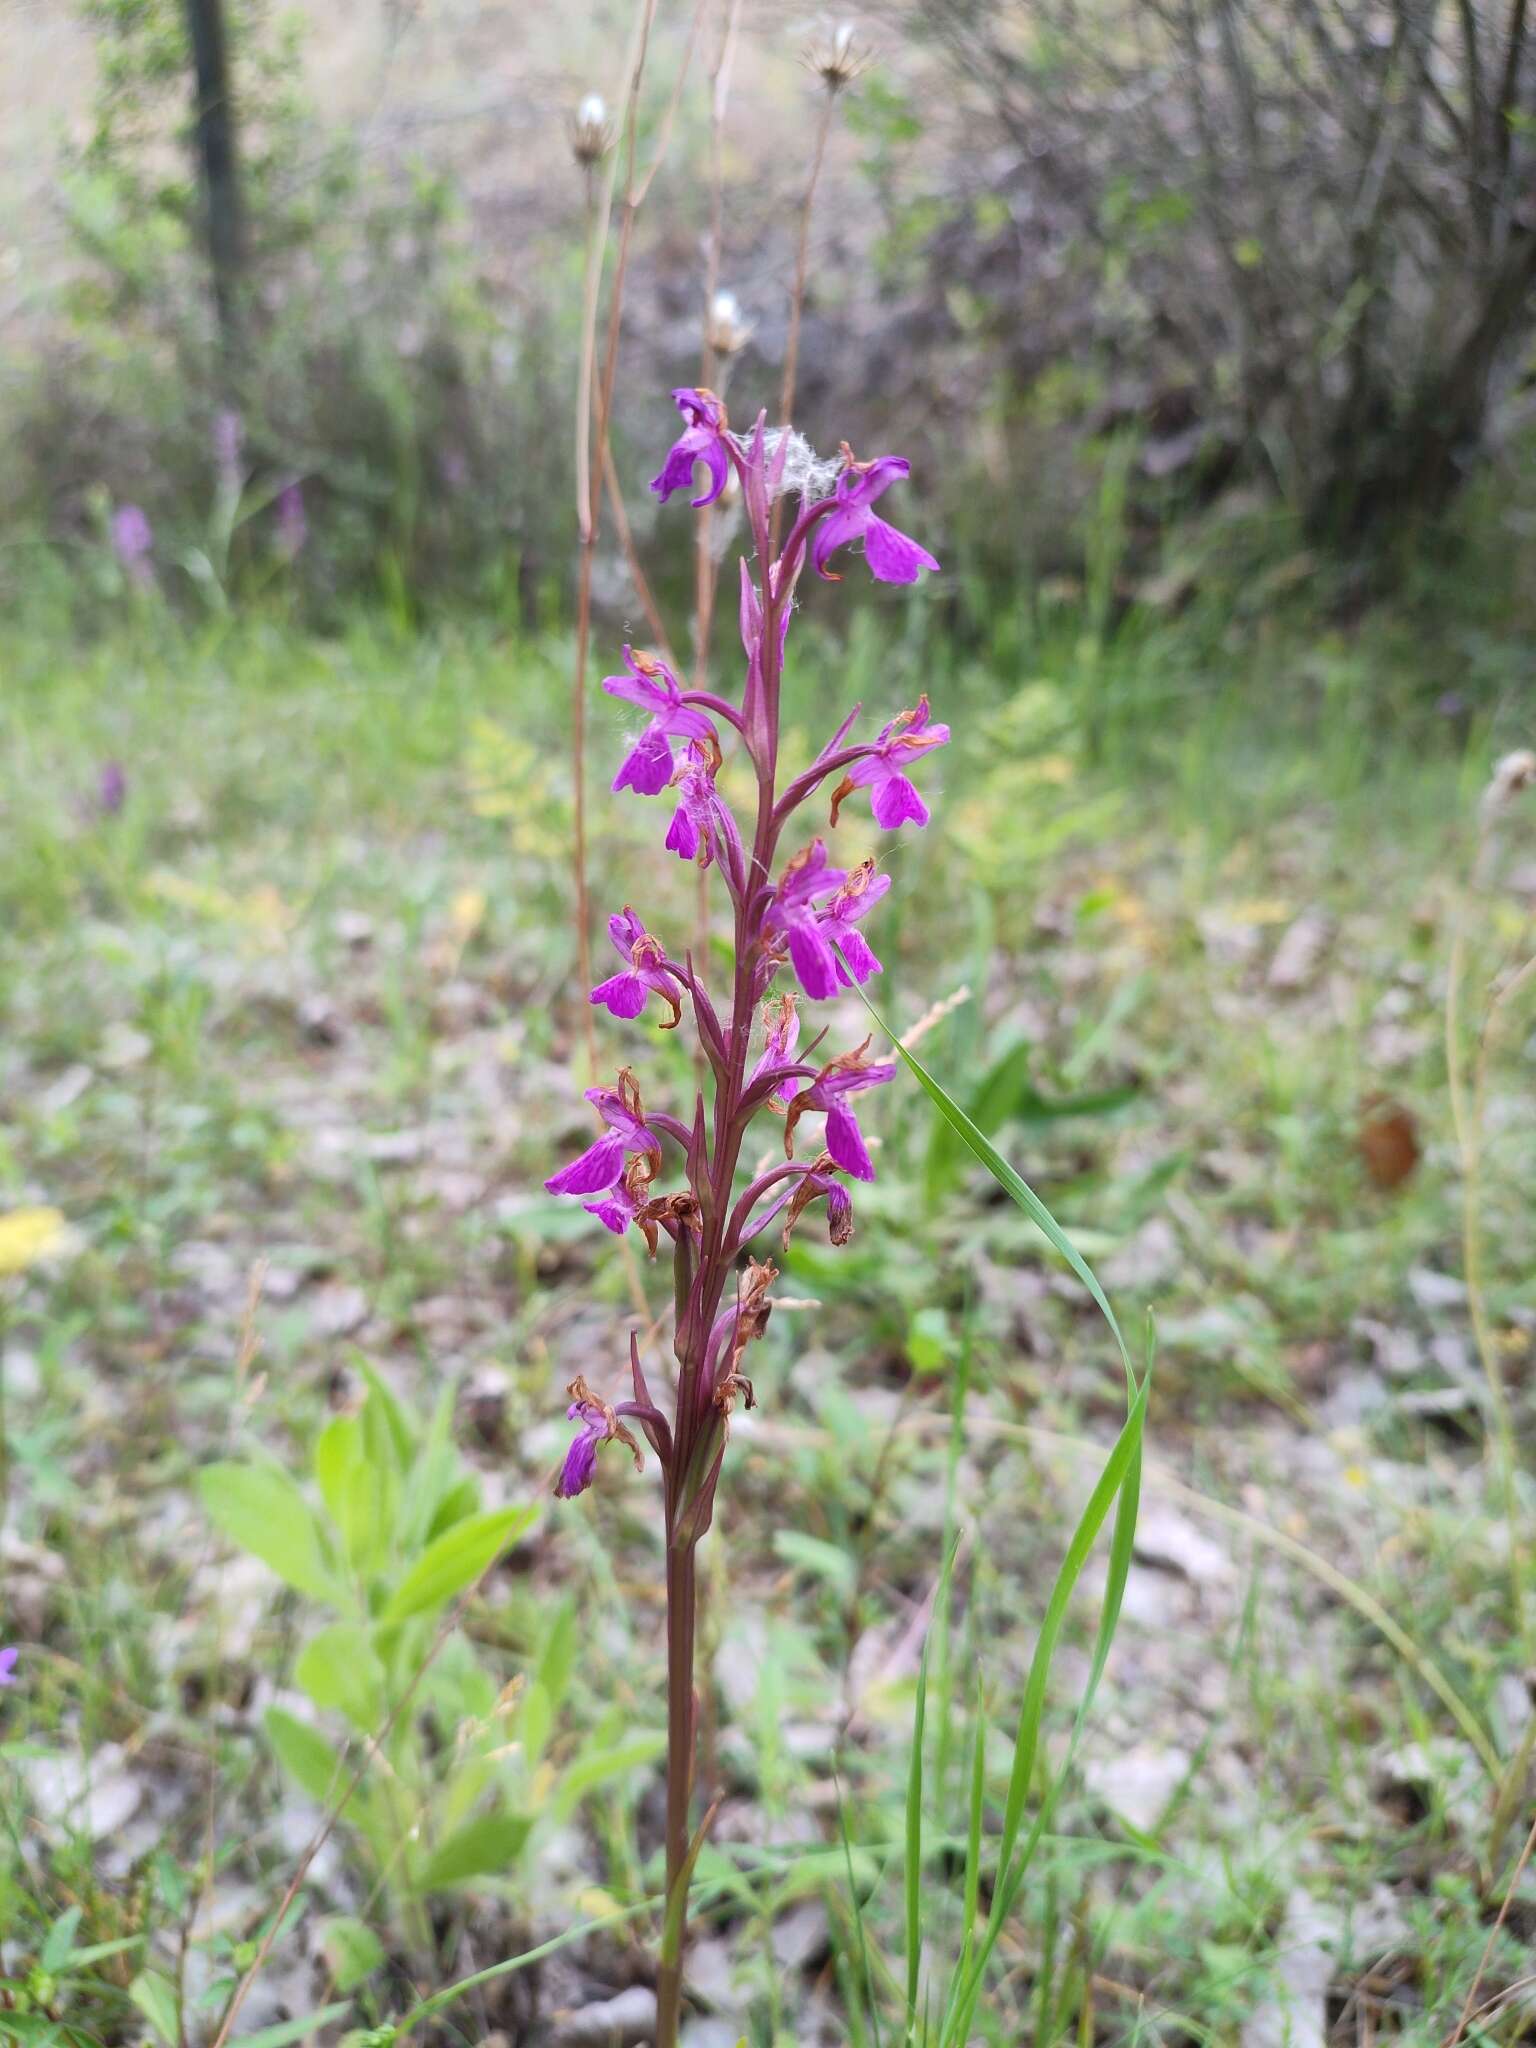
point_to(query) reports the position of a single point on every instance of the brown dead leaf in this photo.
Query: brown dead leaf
(1388, 1141)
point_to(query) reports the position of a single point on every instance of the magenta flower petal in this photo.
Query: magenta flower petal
(682, 834)
(701, 441)
(647, 767)
(623, 996)
(813, 960)
(8, 1659)
(856, 951)
(893, 557)
(580, 1463)
(845, 1141)
(615, 1211)
(594, 1172)
(895, 802)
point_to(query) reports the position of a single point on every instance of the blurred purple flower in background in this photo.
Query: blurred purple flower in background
(8, 1666)
(111, 788)
(228, 446)
(133, 540)
(292, 523)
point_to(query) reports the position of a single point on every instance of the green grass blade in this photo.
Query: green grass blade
(1007, 1178)
(913, 1873)
(857, 1907)
(1123, 1461)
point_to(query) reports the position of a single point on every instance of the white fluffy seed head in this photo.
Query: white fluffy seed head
(726, 330)
(591, 135)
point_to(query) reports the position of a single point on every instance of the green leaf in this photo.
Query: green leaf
(534, 1722)
(557, 1659)
(455, 1560)
(304, 1754)
(482, 1848)
(912, 1886)
(155, 1997)
(261, 1508)
(1012, 1182)
(339, 1668)
(810, 1553)
(284, 2031)
(351, 1948)
(57, 1949)
(598, 1765)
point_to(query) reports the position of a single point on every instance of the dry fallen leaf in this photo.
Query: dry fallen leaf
(1388, 1138)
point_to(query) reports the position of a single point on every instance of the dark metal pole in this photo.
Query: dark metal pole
(218, 160)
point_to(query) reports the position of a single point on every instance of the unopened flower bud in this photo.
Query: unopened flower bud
(835, 57)
(726, 331)
(591, 134)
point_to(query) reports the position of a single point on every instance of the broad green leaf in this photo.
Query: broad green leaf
(401, 1434)
(155, 1997)
(485, 1847)
(455, 1560)
(351, 1948)
(261, 1508)
(304, 1754)
(357, 1468)
(339, 1668)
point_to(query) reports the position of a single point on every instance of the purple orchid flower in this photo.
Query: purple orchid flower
(839, 917)
(702, 440)
(847, 1075)
(601, 1166)
(791, 915)
(8, 1659)
(627, 994)
(781, 1020)
(893, 557)
(648, 766)
(600, 1424)
(892, 797)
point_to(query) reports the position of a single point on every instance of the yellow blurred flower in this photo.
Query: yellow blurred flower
(27, 1235)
